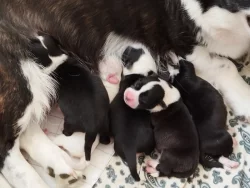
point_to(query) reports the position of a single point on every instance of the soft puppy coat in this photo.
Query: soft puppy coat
(84, 102)
(81, 95)
(131, 129)
(209, 114)
(175, 133)
(83, 27)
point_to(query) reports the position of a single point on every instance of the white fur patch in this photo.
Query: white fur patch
(43, 150)
(225, 33)
(223, 75)
(74, 146)
(42, 87)
(110, 65)
(116, 45)
(171, 94)
(144, 64)
(56, 61)
(19, 172)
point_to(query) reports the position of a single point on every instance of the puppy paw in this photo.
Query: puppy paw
(152, 163)
(69, 180)
(228, 164)
(150, 170)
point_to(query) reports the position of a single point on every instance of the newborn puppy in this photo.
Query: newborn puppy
(110, 72)
(83, 98)
(175, 133)
(209, 114)
(131, 128)
(84, 102)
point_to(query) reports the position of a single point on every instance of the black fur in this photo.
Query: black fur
(14, 89)
(84, 102)
(177, 139)
(82, 26)
(41, 53)
(82, 97)
(175, 133)
(131, 128)
(149, 98)
(131, 55)
(209, 114)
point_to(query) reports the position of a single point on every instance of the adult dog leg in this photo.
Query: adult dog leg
(223, 75)
(47, 154)
(19, 172)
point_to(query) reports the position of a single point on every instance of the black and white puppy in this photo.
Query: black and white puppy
(131, 128)
(175, 133)
(209, 114)
(82, 97)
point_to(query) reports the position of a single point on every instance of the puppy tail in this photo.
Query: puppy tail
(130, 156)
(209, 162)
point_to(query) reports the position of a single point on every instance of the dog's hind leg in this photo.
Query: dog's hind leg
(89, 140)
(130, 157)
(47, 154)
(19, 172)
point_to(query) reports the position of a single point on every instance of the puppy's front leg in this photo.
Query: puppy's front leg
(223, 75)
(47, 154)
(19, 172)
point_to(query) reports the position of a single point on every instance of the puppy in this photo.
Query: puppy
(131, 128)
(84, 102)
(209, 114)
(82, 96)
(175, 133)
(110, 70)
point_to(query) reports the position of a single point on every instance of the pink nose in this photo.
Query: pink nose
(129, 98)
(113, 79)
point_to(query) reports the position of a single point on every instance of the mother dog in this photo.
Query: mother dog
(199, 30)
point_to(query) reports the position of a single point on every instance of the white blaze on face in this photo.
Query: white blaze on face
(131, 96)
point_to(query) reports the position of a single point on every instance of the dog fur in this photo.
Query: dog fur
(130, 128)
(86, 29)
(209, 114)
(175, 133)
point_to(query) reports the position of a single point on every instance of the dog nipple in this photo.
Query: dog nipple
(113, 79)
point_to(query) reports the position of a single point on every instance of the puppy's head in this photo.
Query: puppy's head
(151, 93)
(138, 60)
(50, 44)
(47, 52)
